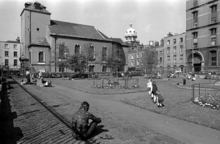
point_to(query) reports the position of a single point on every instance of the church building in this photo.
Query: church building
(40, 37)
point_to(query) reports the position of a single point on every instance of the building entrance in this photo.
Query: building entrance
(197, 67)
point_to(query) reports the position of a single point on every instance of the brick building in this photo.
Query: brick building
(9, 54)
(40, 37)
(203, 35)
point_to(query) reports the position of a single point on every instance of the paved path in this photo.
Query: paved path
(184, 131)
(28, 122)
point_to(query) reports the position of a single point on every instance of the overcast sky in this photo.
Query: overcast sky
(152, 19)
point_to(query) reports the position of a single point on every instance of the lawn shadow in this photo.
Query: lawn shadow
(9, 133)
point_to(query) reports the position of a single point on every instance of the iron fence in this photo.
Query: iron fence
(208, 90)
(116, 83)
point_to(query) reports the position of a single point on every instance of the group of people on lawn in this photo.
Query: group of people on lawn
(30, 76)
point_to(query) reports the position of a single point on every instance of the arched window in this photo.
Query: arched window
(77, 49)
(213, 58)
(104, 53)
(91, 53)
(41, 57)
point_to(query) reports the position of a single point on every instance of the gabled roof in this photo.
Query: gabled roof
(75, 30)
(118, 40)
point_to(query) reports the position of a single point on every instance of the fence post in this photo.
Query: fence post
(199, 89)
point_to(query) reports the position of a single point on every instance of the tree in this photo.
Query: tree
(150, 59)
(78, 62)
(61, 55)
(114, 60)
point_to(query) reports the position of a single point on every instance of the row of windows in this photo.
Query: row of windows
(213, 36)
(174, 41)
(213, 10)
(7, 62)
(7, 54)
(7, 46)
(92, 52)
(174, 49)
(175, 58)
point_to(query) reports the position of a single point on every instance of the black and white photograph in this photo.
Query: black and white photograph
(110, 71)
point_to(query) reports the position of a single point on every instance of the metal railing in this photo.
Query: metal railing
(116, 83)
(205, 90)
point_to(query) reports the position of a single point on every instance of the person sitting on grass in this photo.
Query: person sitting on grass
(45, 82)
(23, 82)
(82, 129)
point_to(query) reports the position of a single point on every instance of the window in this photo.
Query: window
(104, 53)
(41, 57)
(61, 69)
(15, 54)
(195, 18)
(168, 42)
(174, 57)
(181, 40)
(213, 36)
(104, 68)
(195, 35)
(168, 58)
(6, 62)
(38, 29)
(174, 49)
(15, 46)
(213, 31)
(137, 61)
(6, 46)
(91, 53)
(91, 68)
(181, 57)
(213, 13)
(6, 54)
(213, 55)
(174, 41)
(160, 52)
(15, 62)
(181, 48)
(168, 50)
(77, 49)
(160, 60)
(195, 39)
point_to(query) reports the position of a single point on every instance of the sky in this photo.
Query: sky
(151, 19)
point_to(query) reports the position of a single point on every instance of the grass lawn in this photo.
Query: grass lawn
(178, 104)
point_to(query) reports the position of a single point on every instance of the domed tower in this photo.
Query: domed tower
(130, 35)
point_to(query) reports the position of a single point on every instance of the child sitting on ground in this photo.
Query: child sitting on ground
(159, 99)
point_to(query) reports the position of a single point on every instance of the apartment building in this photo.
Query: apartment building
(203, 35)
(10, 54)
(172, 56)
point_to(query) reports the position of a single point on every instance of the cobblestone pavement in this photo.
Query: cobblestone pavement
(32, 123)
